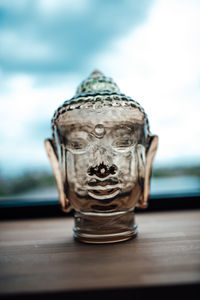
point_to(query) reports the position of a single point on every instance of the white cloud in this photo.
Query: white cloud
(159, 65)
(53, 7)
(25, 48)
(22, 104)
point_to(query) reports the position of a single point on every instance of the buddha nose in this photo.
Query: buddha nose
(102, 170)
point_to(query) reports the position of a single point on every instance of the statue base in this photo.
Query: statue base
(101, 228)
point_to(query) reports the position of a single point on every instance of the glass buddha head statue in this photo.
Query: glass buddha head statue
(101, 153)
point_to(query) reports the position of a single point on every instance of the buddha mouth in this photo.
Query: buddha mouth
(103, 194)
(96, 182)
(103, 189)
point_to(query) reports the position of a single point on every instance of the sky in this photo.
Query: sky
(149, 47)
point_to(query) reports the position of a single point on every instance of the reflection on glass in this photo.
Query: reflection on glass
(102, 153)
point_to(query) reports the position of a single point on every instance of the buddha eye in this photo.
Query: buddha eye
(122, 144)
(78, 145)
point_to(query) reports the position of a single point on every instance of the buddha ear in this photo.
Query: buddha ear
(65, 203)
(150, 153)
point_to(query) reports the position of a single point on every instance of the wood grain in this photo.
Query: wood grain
(41, 255)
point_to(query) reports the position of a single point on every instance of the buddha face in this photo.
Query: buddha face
(102, 157)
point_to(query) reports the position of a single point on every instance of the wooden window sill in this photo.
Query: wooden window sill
(41, 257)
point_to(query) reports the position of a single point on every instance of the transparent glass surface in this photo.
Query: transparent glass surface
(101, 154)
(103, 158)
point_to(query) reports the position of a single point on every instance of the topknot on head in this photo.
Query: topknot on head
(97, 82)
(96, 73)
(96, 92)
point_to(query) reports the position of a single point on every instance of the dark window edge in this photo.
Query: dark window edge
(30, 208)
(186, 291)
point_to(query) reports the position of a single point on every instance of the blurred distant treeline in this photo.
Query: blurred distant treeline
(176, 171)
(24, 182)
(33, 180)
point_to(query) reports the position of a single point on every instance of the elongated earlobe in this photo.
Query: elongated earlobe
(65, 203)
(143, 202)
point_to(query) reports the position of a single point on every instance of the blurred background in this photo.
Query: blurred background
(149, 47)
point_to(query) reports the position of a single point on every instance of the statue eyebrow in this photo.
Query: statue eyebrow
(124, 126)
(80, 127)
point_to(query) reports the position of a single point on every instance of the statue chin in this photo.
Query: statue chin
(101, 153)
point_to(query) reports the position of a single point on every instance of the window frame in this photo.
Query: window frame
(11, 208)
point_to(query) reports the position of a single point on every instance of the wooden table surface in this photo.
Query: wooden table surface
(40, 255)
